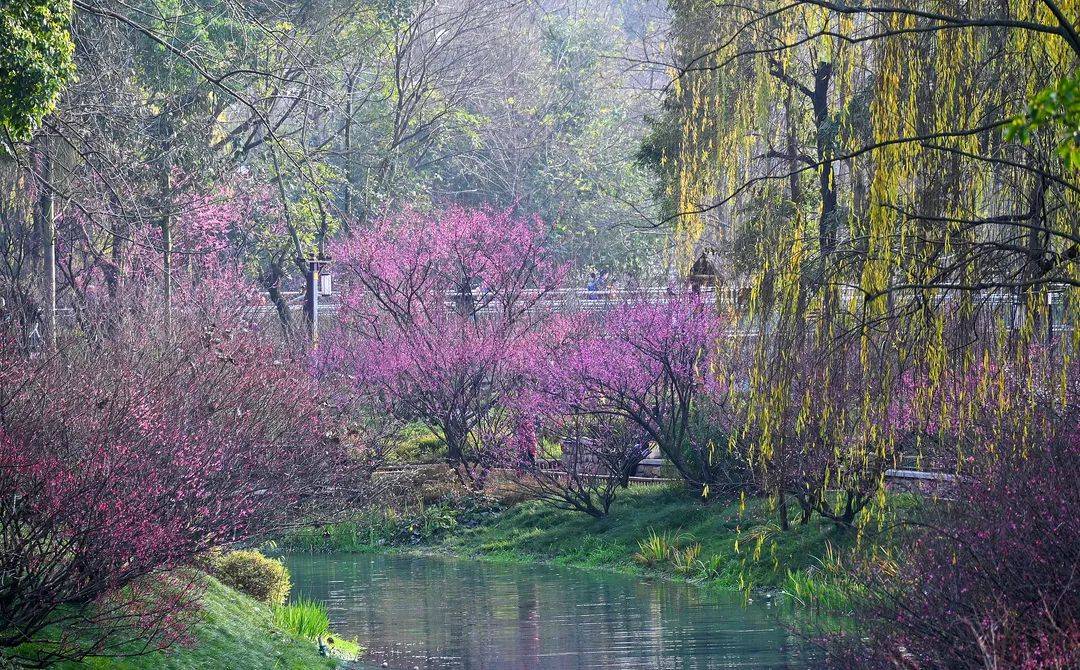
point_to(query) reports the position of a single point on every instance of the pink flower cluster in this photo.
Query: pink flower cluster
(449, 319)
(134, 456)
(439, 316)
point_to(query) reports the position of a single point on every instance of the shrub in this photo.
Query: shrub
(423, 484)
(991, 583)
(430, 360)
(430, 523)
(126, 458)
(651, 364)
(306, 618)
(262, 578)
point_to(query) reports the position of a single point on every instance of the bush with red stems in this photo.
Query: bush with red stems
(123, 461)
(992, 578)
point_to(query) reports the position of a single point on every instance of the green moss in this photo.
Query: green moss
(236, 633)
(741, 547)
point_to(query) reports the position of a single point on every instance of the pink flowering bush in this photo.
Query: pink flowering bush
(989, 576)
(124, 459)
(439, 316)
(653, 364)
(989, 581)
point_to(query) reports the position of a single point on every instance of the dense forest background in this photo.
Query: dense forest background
(191, 136)
(884, 195)
(885, 150)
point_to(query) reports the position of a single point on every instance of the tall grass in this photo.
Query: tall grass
(307, 618)
(657, 548)
(826, 586)
(685, 561)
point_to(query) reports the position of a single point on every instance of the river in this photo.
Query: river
(444, 613)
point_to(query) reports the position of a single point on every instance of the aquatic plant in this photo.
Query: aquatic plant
(711, 567)
(656, 548)
(685, 561)
(304, 617)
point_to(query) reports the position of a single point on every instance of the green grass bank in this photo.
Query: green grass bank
(236, 632)
(659, 531)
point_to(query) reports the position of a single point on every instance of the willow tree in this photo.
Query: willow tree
(900, 177)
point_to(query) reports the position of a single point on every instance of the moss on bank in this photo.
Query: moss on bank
(741, 546)
(236, 633)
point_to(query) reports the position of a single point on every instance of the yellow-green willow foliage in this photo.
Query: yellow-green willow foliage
(899, 247)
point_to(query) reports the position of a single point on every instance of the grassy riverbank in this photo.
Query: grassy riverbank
(235, 633)
(671, 524)
(659, 531)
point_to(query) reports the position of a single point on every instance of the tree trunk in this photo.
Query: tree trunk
(165, 182)
(793, 153)
(827, 223)
(782, 506)
(115, 274)
(350, 177)
(1038, 241)
(271, 281)
(46, 213)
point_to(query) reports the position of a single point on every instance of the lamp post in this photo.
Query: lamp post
(317, 283)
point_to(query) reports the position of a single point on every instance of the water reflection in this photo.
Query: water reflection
(447, 613)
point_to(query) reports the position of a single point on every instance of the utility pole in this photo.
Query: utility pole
(315, 279)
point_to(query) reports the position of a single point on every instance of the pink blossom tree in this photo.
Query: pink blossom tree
(124, 459)
(440, 314)
(565, 453)
(653, 364)
(596, 457)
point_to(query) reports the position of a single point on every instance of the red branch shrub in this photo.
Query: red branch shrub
(124, 460)
(991, 581)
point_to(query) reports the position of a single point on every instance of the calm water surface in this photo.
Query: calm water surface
(457, 613)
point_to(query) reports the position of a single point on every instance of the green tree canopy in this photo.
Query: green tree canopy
(35, 62)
